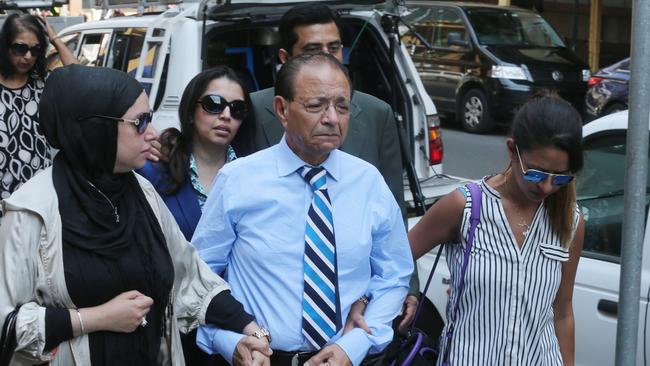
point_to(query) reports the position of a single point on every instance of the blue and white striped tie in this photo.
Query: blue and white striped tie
(321, 316)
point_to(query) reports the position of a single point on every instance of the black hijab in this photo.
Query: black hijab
(90, 194)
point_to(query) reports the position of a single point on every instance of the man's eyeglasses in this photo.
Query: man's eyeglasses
(537, 176)
(321, 105)
(141, 121)
(216, 104)
(21, 49)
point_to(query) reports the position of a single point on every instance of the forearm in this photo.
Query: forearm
(565, 333)
(226, 312)
(66, 56)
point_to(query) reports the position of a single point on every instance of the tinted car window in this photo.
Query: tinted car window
(433, 24)
(501, 27)
(126, 48)
(93, 49)
(600, 195)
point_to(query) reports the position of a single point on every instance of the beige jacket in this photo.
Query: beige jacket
(31, 274)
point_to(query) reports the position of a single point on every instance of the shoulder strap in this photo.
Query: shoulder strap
(474, 218)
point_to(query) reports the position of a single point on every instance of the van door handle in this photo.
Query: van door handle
(608, 307)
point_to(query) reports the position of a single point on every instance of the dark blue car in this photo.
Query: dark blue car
(608, 90)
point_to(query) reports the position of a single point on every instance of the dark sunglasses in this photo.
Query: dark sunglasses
(141, 121)
(538, 176)
(20, 49)
(216, 104)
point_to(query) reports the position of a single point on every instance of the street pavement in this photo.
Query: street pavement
(472, 156)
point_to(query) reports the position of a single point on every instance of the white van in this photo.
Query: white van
(164, 51)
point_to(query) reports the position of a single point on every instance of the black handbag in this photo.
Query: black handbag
(8, 338)
(416, 348)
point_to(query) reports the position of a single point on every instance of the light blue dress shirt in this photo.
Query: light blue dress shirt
(253, 226)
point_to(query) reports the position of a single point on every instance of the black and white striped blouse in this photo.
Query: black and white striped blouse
(505, 316)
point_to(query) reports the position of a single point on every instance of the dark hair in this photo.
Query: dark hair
(284, 84)
(547, 120)
(13, 25)
(177, 145)
(305, 14)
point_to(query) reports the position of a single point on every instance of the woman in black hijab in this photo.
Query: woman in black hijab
(92, 258)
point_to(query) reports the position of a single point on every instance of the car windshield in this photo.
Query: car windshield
(513, 28)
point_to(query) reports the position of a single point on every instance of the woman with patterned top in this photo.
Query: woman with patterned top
(23, 149)
(516, 307)
(216, 126)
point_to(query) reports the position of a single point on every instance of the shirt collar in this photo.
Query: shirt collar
(288, 162)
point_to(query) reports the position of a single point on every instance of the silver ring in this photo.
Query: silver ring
(144, 322)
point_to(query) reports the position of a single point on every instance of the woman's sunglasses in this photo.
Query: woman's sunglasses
(141, 121)
(216, 104)
(537, 176)
(20, 49)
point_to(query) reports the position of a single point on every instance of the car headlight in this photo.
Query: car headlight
(586, 75)
(508, 72)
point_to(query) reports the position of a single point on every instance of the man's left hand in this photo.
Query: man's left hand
(332, 355)
(410, 307)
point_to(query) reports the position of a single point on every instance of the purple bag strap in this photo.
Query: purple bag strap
(474, 218)
(475, 192)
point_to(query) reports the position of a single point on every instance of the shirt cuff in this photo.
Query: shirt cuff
(355, 344)
(213, 340)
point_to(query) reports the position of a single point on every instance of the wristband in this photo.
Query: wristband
(81, 323)
(364, 299)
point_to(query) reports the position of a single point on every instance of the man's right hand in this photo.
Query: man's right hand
(251, 351)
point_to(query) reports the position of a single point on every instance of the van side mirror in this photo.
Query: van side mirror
(454, 39)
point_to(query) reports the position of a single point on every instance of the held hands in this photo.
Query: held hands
(251, 351)
(123, 314)
(332, 355)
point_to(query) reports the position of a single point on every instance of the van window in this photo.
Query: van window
(126, 48)
(93, 49)
(434, 24)
(52, 58)
(513, 28)
(600, 195)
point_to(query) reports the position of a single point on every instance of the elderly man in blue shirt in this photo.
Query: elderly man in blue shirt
(303, 231)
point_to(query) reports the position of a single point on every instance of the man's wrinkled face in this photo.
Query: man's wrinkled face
(316, 120)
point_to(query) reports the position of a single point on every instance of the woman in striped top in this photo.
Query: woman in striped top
(516, 308)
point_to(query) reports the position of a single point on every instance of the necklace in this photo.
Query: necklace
(522, 222)
(117, 216)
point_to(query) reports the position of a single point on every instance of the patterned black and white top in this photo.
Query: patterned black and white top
(505, 315)
(23, 148)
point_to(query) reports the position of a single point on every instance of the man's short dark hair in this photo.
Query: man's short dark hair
(305, 14)
(284, 85)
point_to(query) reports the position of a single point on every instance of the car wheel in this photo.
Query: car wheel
(475, 113)
(613, 108)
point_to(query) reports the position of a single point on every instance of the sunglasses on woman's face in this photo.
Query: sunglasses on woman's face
(20, 49)
(141, 121)
(216, 104)
(538, 176)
